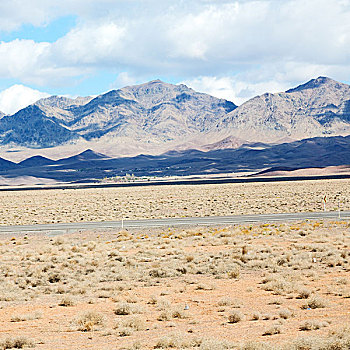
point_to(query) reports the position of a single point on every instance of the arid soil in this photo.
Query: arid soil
(51, 206)
(286, 285)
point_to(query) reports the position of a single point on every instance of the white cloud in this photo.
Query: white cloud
(90, 44)
(124, 79)
(271, 78)
(17, 97)
(15, 13)
(20, 57)
(256, 44)
(233, 89)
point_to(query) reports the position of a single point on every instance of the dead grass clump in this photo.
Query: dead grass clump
(88, 321)
(303, 293)
(276, 329)
(312, 325)
(164, 316)
(234, 273)
(26, 317)
(16, 343)
(214, 344)
(67, 301)
(123, 309)
(177, 341)
(285, 314)
(256, 316)
(225, 301)
(315, 302)
(135, 323)
(258, 346)
(235, 316)
(177, 313)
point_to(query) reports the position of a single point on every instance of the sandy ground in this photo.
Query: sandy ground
(51, 206)
(201, 288)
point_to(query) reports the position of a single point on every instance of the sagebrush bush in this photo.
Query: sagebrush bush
(235, 316)
(88, 321)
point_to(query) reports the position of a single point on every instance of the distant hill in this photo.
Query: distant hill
(36, 161)
(227, 142)
(7, 165)
(90, 166)
(88, 155)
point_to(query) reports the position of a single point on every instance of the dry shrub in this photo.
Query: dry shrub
(164, 316)
(315, 302)
(26, 317)
(285, 314)
(88, 321)
(312, 325)
(214, 344)
(135, 323)
(125, 331)
(234, 273)
(256, 316)
(225, 301)
(67, 301)
(124, 308)
(304, 293)
(258, 346)
(272, 330)
(235, 316)
(16, 343)
(177, 341)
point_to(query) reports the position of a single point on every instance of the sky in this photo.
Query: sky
(230, 49)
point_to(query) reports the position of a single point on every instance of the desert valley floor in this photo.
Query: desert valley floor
(257, 286)
(108, 204)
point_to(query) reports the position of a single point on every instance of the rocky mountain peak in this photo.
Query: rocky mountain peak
(320, 82)
(317, 108)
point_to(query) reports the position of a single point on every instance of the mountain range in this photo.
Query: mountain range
(158, 116)
(153, 112)
(167, 129)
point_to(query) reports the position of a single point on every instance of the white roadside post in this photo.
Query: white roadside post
(122, 222)
(339, 208)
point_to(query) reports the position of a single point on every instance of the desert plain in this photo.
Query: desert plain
(108, 204)
(279, 285)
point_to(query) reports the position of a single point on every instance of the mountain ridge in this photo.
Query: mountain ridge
(156, 116)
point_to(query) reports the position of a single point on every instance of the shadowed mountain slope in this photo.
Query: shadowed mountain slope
(36, 161)
(89, 166)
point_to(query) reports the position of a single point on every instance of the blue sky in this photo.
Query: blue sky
(231, 49)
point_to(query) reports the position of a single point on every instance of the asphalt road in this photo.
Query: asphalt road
(56, 229)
